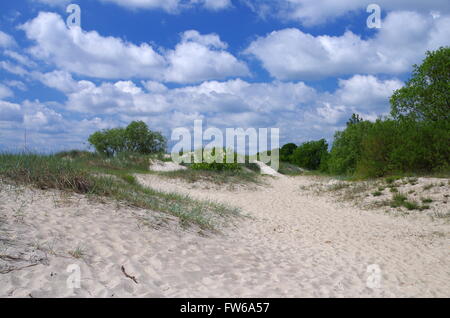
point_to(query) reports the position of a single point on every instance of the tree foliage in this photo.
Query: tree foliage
(426, 96)
(311, 155)
(286, 152)
(136, 137)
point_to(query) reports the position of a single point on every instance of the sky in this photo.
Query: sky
(302, 66)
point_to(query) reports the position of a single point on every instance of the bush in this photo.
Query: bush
(347, 147)
(220, 165)
(311, 155)
(287, 151)
(392, 146)
(137, 137)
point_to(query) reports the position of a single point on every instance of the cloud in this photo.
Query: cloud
(310, 13)
(171, 6)
(10, 112)
(5, 92)
(6, 40)
(88, 53)
(291, 54)
(214, 5)
(21, 59)
(16, 84)
(196, 58)
(13, 68)
(301, 112)
(202, 57)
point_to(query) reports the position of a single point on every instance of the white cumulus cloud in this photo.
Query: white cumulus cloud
(293, 54)
(196, 58)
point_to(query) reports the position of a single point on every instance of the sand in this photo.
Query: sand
(290, 243)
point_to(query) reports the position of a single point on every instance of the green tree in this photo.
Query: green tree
(355, 119)
(347, 147)
(136, 137)
(286, 152)
(311, 155)
(140, 139)
(426, 96)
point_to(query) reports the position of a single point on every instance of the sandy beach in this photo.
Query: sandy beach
(288, 243)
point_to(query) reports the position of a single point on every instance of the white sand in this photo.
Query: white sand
(293, 244)
(266, 170)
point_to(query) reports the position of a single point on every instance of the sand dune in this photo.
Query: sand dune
(290, 244)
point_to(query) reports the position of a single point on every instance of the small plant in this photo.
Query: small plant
(398, 200)
(427, 200)
(338, 186)
(77, 253)
(392, 179)
(410, 205)
(394, 190)
(377, 193)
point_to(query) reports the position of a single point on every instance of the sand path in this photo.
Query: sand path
(291, 245)
(301, 245)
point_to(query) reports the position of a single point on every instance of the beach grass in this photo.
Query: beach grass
(94, 175)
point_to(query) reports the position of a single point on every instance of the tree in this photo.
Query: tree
(426, 96)
(355, 119)
(311, 155)
(136, 137)
(286, 152)
(347, 146)
(140, 139)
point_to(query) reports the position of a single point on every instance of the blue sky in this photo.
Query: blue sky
(299, 65)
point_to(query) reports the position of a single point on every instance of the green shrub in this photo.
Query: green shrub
(221, 164)
(347, 147)
(311, 155)
(287, 151)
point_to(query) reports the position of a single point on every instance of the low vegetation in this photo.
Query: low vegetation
(102, 176)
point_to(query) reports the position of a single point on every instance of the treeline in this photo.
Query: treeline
(414, 138)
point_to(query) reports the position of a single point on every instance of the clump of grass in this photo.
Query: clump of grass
(410, 205)
(377, 193)
(392, 179)
(398, 200)
(428, 186)
(338, 186)
(240, 176)
(393, 190)
(289, 169)
(426, 200)
(77, 253)
(412, 181)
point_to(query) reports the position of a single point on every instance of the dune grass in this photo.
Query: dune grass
(91, 174)
(241, 176)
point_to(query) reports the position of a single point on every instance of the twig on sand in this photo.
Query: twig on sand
(16, 269)
(128, 276)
